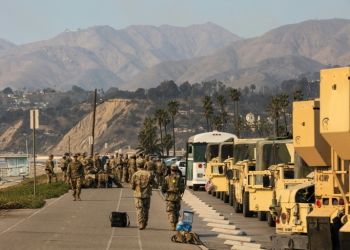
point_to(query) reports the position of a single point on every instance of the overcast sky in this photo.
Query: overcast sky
(25, 21)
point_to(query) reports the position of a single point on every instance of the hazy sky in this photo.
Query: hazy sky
(24, 21)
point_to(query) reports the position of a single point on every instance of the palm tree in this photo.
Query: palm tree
(252, 87)
(284, 104)
(147, 137)
(207, 109)
(173, 109)
(274, 107)
(217, 122)
(298, 95)
(235, 96)
(165, 120)
(221, 100)
(224, 116)
(158, 116)
(168, 143)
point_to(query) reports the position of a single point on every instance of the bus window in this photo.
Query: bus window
(199, 153)
(190, 151)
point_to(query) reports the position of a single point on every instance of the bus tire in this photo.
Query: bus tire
(231, 195)
(246, 211)
(218, 195)
(195, 187)
(262, 216)
(226, 198)
(270, 220)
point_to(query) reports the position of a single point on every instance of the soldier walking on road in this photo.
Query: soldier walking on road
(119, 169)
(161, 172)
(132, 166)
(75, 174)
(49, 169)
(174, 187)
(142, 182)
(125, 168)
(151, 166)
(64, 165)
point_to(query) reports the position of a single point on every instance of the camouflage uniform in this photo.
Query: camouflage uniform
(111, 176)
(161, 172)
(79, 156)
(151, 166)
(49, 169)
(112, 163)
(125, 168)
(132, 166)
(75, 173)
(64, 165)
(88, 164)
(119, 168)
(141, 183)
(97, 162)
(174, 187)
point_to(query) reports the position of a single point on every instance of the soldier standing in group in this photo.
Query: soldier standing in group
(151, 166)
(132, 166)
(49, 169)
(125, 168)
(97, 162)
(142, 182)
(88, 164)
(64, 165)
(112, 163)
(75, 174)
(111, 177)
(119, 169)
(161, 172)
(174, 187)
(146, 158)
(79, 156)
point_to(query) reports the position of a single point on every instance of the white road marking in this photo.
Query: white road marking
(30, 215)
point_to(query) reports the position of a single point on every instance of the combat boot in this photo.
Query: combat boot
(172, 226)
(78, 197)
(144, 225)
(141, 226)
(74, 199)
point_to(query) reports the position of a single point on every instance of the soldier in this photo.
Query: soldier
(82, 160)
(68, 157)
(79, 156)
(49, 169)
(75, 173)
(174, 187)
(104, 158)
(125, 168)
(146, 158)
(142, 182)
(119, 169)
(161, 172)
(97, 162)
(150, 166)
(64, 165)
(132, 166)
(88, 165)
(112, 163)
(111, 177)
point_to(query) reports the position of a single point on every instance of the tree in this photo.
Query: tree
(246, 91)
(168, 143)
(284, 105)
(78, 89)
(165, 120)
(235, 96)
(274, 107)
(148, 138)
(7, 91)
(298, 95)
(173, 109)
(252, 87)
(158, 116)
(185, 89)
(224, 117)
(221, 100)
(207, 109)
(217, 122)
(168, 89)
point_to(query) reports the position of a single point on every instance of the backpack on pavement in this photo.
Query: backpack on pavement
(119, 219)
(186, 237)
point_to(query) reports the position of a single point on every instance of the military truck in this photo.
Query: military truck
(217, 167)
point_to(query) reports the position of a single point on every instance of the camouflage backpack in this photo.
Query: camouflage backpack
(175, 184)
(186, 237)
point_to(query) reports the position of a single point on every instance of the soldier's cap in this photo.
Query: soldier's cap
(140, 163)
(79, 153)
(174, 167)
(67, 154)
(133, 156)
(50, 155)
(158, 159)
(75, 155)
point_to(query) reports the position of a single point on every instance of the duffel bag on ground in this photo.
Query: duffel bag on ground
(119, 219)
(186, 237)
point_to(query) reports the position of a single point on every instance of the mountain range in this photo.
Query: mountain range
(142, 56)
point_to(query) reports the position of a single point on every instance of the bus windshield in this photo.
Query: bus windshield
(199, 152)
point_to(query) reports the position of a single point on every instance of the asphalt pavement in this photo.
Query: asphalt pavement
(64, 224)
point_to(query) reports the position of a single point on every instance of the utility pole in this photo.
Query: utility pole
(93, 125)
(34, 123)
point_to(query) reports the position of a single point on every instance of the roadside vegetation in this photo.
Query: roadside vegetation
(22, 195)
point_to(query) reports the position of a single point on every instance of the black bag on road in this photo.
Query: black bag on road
(119, 219)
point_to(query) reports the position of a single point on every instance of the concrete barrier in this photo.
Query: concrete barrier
(225, 222)
(228, 231)
(216, 225)
(217, 217)
(235, 238)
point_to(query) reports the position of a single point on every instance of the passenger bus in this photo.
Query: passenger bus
(195, 156)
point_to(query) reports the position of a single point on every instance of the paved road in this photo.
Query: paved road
(64, 224)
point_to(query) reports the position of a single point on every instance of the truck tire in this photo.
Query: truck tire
(270, 221)
(236, 206)
(226, 198)
(230, 195)
(222, 195)
(213, 193)
(195, 187)
(246, 211)
(262, 216)
(218, 195)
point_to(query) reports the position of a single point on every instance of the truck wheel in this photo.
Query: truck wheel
(190, 187)
(222, 195)
(236, 207)
(230, 195)
(246, 211)
(213, 193)
(262, 216)
(195, 187)
(270, 221)
(226, 198)
(218, 195)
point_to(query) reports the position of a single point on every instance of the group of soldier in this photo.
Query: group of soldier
(143, 174)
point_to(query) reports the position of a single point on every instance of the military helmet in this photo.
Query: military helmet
(75, 155)
(140, 163)
(66, 153)
(174, 167)
(158, 159)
